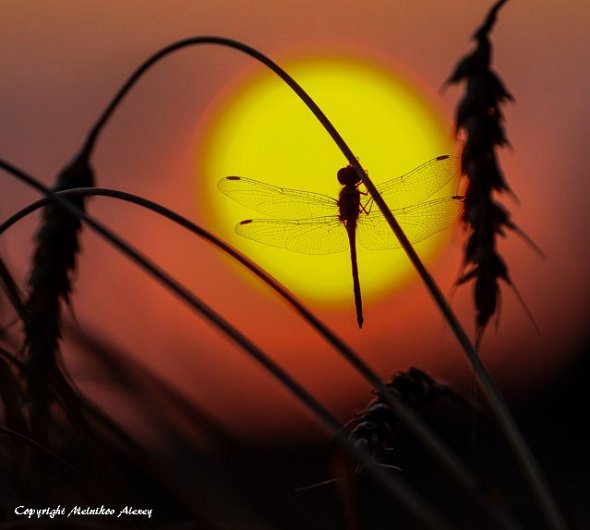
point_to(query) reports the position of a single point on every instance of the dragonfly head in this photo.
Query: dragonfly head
(347, 176)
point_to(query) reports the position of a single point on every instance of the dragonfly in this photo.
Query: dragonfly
(314, 223)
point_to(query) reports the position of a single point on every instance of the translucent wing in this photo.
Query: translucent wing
(319, 235)
(417, 185)
(418, 222)
(276, 201)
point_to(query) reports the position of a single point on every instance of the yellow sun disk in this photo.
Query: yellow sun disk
(264, 131)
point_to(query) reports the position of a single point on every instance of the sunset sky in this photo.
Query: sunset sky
(61, 63)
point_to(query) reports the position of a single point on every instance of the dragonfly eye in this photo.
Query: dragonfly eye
(347, 176)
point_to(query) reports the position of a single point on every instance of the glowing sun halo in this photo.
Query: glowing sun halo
(263, 131)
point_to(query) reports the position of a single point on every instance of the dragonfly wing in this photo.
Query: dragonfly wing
(277, 201)
(319, 235)
(418, 222)
(417, 185)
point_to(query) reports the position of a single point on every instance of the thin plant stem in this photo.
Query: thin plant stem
(121, 364)
(12, 291)
(401, 491)
(529, 466)
(448, 460)
(33, 443)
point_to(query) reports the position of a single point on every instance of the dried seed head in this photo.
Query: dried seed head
(479, 117)
(374, 427)
(488, 24)
(54, 260)
(49, 284)
(472, 64)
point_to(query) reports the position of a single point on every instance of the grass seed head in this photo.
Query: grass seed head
(374, 427)
(50, 284)
(480, 119)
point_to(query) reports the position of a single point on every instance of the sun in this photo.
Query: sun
(261, 130)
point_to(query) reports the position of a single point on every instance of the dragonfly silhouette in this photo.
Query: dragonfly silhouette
(313, 223)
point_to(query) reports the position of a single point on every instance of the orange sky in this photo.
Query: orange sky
(62, 61)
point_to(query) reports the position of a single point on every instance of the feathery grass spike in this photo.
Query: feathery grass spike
(480, 118)
(50, 284)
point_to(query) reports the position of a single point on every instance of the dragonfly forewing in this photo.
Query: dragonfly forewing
(276, 201)
(419, 184)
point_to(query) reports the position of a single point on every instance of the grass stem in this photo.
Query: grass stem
(506, 422)
(445, 456)
(399, 490)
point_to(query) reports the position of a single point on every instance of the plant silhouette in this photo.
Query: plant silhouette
(58, 444)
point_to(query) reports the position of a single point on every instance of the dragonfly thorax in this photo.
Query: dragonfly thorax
(349, 205)
(349, 199)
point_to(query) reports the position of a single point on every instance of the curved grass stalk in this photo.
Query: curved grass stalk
(448, 460)
(500, 410)
(453, 465)
(402, 492)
